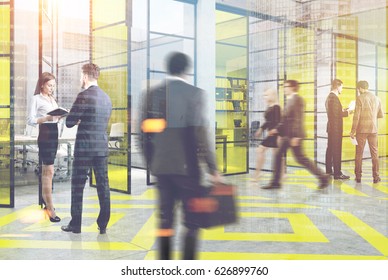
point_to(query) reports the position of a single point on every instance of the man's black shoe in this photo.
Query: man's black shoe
(69, 228)
(269, 187)
(358, 180)
(341, 177)
(376, 180)
(102, 230)
(324, 181)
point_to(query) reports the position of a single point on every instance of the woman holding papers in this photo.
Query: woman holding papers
(42, 103)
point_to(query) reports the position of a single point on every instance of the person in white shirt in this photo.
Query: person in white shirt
(43, 102)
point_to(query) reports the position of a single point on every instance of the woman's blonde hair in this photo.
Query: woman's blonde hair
(273, 95)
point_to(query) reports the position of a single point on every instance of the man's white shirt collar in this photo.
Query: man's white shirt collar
(170, 77)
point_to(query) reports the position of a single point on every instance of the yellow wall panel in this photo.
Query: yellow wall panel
(307, 92)
(5, 89)
(382, 79)
(114, 83)
(107, 12)
(4, 29)
(346, 50)
(347, 74)
(309, 124)
(383, 146)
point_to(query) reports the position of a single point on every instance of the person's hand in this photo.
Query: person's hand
(350, 112)
(216, 177)
(295, 141)
(278, 141)
(273, 132)
(352, 135)
(257, 133)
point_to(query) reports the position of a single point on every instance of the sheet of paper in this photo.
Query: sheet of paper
(354, 141)
(352, 105)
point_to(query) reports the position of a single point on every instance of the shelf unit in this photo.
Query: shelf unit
(231, 109)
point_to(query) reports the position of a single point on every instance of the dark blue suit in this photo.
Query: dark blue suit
(92, 108)
(174, 155)
(335, 116)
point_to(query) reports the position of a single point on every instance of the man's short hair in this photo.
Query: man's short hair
(92, 70)
(336, 83)
(293, 84)
(178, 63)
(363, 84)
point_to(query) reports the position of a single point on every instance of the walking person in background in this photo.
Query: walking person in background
(335, 115)
(291, 131)
(176, 139)
(91, 111)
(43, 102)
(364, 128)
(272, 118)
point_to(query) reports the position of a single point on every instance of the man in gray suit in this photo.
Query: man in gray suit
(291, 132)
(364, 128)
(91, 110)
(176, 140)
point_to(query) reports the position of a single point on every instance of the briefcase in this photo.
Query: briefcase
(216, 207)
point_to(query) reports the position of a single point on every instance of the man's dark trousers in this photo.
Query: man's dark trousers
(81, 167)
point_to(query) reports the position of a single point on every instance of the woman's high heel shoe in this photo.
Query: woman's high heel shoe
(56, 219)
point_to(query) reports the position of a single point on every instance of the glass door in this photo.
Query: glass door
(231, 92)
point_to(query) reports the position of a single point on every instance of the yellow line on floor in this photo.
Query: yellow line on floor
(113, 206)
(68, 245)
(372, 236)
(349, 189)
(380, 187)
(304, 230)
(146, 236)
(275, 205)
(152, 255)
(149, 194)
(23, 214)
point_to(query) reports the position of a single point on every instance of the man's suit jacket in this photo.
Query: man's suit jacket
(184, 143)
(292, 123)
(93, 108)
(368, 110)
(334, 114)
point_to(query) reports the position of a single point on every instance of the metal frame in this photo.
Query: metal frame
(11, 107)
(149, 71)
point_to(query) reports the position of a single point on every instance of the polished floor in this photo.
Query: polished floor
(344, 221)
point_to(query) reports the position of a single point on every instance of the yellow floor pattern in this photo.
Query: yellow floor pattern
(345, 221)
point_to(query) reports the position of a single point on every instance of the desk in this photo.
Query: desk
(29, 140)
(23, 140)
(224, 148)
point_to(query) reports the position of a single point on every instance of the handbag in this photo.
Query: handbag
(216, 207)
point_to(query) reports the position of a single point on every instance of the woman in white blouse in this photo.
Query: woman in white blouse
(43, 102)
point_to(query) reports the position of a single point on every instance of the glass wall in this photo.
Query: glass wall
(110, 52)
(6, 111)
(154, 35)
(231, 92)
(285, 43)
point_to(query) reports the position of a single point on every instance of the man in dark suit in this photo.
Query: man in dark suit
(91, 110)
(335, 113)
(291, 132)
(176, 142)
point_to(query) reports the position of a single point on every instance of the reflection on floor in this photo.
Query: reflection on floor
(344, 221)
